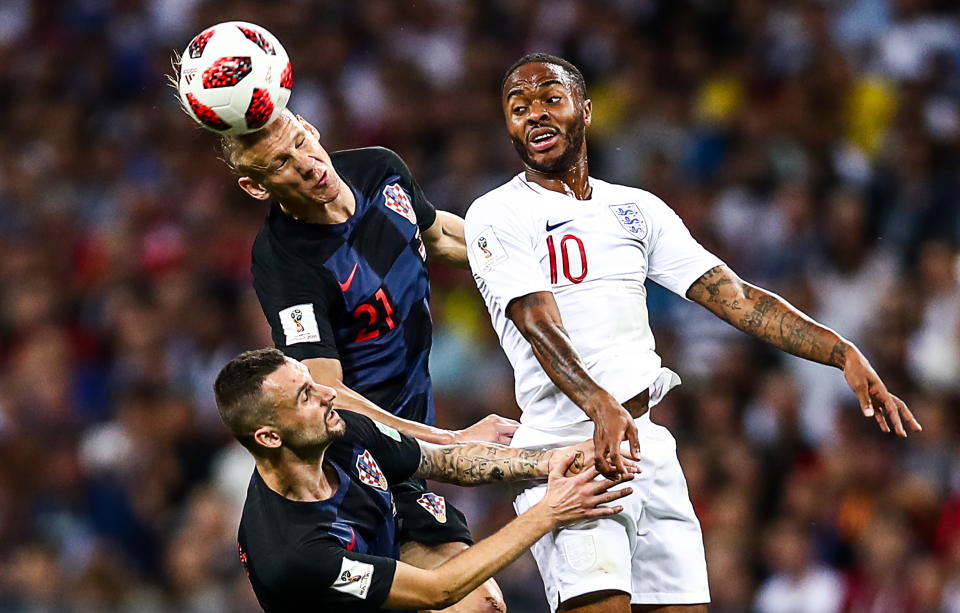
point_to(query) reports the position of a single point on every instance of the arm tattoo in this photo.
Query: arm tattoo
(767, 317)
(478, 463)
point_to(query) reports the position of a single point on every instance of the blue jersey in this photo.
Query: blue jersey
(357, 291)
(337, 554)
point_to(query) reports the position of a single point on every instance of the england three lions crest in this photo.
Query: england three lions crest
(369, 471)
(631, 219)
(435, 505)
(398, 201)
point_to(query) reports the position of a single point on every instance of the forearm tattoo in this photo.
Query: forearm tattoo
(478, 463)
(767, 317)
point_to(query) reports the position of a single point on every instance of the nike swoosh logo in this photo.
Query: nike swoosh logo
(557, 225)
(346, 284)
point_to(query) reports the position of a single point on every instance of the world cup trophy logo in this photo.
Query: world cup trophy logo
(482, 243)
(296, 315)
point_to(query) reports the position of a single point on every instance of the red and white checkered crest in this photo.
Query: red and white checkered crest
(370, 472)
(435, 505)
(398, 201)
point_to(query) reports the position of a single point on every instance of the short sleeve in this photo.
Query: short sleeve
(675, 259)
(425, 211)
(322, 572)
(502, 253)
(397, 454)
(296, 308)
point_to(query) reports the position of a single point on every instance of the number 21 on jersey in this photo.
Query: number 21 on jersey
(570, 248)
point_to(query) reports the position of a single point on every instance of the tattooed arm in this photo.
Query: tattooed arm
(772, 319)
(537, 317)
(479, 463)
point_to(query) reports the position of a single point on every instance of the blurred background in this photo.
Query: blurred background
(811, 144)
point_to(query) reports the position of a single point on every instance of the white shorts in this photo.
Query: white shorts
(653, 550)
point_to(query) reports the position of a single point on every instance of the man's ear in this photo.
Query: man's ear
(587, 111)
(268, 437)
(253, 188)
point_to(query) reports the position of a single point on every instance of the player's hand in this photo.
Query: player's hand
(584, 456)
(490, 429)
(875, 400)
(580, 496)
(613, 424)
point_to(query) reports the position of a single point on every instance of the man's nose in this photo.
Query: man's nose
(327, 394)
(538, 113)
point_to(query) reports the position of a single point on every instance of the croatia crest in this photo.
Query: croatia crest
(631, 218)
(435, 505)
(370, 472)
(398, 201)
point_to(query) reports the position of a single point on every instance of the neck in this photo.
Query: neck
(301, 479)
(338, 210)
(573, 181)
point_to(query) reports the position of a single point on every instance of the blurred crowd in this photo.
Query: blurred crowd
(812, 144)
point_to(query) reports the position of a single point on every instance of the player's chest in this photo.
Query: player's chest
(580, 242)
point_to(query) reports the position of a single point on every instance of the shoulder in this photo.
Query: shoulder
(498, 201)
(370, 163)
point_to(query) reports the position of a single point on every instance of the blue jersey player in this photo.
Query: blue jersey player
(339, 267)
(317, 531)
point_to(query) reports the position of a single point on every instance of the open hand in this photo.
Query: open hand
(875, 400)
(490, 429)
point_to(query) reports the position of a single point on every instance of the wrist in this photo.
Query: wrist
(598, 402)
(844, 354)
(541, 517)
(444, 437)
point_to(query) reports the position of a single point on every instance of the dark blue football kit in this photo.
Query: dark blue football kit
(337, 554)
(359, 292)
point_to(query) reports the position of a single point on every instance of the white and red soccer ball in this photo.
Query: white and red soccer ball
(235, 78)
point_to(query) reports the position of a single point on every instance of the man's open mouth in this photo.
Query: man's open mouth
(541, 139)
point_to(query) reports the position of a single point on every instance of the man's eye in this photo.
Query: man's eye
(553, 99)
(281, 164)
(519, 109)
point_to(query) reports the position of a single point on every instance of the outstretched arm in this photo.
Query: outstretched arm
(772, 319)
(478, 463)
(329, 372)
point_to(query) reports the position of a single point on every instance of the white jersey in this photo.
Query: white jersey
(594, 255)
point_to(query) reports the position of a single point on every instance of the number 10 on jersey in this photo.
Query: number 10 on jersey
(566, 245)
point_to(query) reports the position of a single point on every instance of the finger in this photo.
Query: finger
(614, 495)
(634, 441)
(602, 511)
(863, 395)
(617, 460)
(603, 485)
(602, 464)
(893, 415)
(587, 475)
(908, 417)
(881, 421)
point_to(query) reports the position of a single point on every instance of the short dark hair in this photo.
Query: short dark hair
(546, 58)
(239, 393)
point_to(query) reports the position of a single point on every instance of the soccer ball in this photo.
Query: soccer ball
(235, 78)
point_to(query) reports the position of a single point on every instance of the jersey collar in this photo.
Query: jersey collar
(543, 190)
